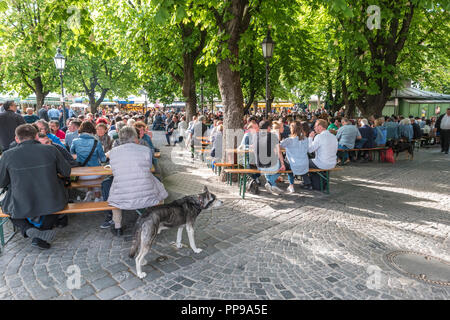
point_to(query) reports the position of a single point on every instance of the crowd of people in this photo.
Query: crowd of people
(37, 157)
(39, 148)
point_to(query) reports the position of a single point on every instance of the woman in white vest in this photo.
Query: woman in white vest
(134, 186)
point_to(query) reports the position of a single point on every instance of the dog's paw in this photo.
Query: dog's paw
(142, 275)
(198, 250)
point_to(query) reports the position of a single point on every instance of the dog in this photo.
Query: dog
(177, 214)
(401, 145)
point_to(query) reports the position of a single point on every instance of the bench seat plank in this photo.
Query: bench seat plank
(78, 207)
(245, 172)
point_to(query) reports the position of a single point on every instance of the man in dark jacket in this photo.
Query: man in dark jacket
(416, 129)
(9, 121)
(29, 172)
(43, 113)
(367, 134)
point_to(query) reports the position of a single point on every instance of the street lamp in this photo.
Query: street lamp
(60, 63)
(267, 47)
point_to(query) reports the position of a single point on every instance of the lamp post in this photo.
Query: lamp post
(267, 48)
(60, 63)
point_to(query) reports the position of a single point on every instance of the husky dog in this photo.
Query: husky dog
(180, 213)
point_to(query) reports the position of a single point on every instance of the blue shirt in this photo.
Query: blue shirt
(347, 134)
(406, 131)
(391, 130)
(380, 134)
(70, 136)
(297, 154)
(53, 114)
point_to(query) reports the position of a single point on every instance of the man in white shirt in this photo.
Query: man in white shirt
(324, 144)
(443, 127)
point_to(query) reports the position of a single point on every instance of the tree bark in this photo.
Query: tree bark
(39, 92)
(189, 87)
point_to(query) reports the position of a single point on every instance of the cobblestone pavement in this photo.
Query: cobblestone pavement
(302, 246)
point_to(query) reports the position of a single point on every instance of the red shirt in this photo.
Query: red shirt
(60, 134)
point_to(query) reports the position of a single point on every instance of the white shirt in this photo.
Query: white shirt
(325, 145)
(445, 122)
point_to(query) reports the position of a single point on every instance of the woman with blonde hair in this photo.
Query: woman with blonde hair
(297, 155)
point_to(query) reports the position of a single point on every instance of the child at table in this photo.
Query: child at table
(297, 155)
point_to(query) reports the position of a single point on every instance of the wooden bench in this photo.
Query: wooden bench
(218, 167)
(79, 207)
(242, 173)
(377, 149)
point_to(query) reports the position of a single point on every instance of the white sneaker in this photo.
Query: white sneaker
(290, 189)
(98, 200)
(268, 187)
(276, 190)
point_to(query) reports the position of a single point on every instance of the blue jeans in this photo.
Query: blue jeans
(272, 178)
(341, 154)
(106, 186)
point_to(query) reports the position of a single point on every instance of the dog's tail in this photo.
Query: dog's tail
(136, 242)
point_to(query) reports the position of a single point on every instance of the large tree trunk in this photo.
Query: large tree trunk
(39, 92)
(189, 93)
(233, 22)
(99, 100)
(232, 99)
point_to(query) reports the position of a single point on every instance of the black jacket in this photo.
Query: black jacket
(43, 114)
(9, 121)
(29, 172)
(417, 131)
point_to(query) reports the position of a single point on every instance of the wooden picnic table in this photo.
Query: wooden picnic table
(90, 171)
(93, 171)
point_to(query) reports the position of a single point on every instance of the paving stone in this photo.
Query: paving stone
(131, 284)
(110, 293)
(84, 291)
(103, 283)
(184, 261)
